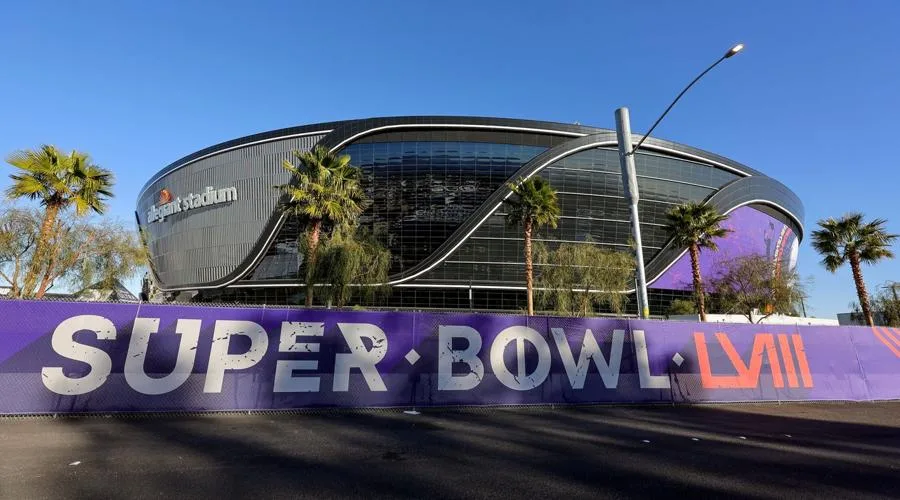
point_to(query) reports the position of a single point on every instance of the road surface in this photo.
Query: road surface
(737, 451)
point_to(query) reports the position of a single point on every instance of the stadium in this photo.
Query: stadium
(215, 234)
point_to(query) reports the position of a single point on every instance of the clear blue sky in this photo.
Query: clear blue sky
(813, 101)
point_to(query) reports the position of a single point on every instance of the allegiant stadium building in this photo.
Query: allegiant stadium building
(436, 184)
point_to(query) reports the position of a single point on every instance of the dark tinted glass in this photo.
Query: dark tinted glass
(589, 187)
(421, 191)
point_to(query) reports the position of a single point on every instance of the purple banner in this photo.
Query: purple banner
(82, 357)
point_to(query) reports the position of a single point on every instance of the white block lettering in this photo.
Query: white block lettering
(359, 356)
(285, 381)
(220, 360)
(590, 350)
(284, 369)
(647, 380)
(137, 377)
(63, 343)
(447, 356)
(522, 381)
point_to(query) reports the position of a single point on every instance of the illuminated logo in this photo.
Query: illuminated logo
(168, 206)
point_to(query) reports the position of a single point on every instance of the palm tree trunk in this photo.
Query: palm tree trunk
(529, 268)
(698, 284)
(312, 248)
(52, 270)
(14, 291)
(861, 288)
(46, 279)
(40, 251)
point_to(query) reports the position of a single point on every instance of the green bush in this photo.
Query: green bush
(680, 307)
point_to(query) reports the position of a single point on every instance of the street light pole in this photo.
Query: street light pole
(629, 185)
(629, 177)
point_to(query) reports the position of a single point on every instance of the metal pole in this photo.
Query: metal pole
(630, 186)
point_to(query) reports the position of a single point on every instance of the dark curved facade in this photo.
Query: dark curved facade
(437, 184)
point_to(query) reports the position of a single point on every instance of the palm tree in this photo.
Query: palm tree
(695, 226)
(532, 205)
(324, 188)
(849, 239)
(59, 181)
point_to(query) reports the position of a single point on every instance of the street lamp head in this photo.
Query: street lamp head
(734, 50)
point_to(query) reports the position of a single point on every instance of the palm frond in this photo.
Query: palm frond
(323, 186)
(532, 200)
(60, 180)
(837, 240)
(695, 224)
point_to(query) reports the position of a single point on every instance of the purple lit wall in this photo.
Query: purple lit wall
(752, 232)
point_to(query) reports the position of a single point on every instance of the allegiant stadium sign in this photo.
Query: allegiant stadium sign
(168, 206)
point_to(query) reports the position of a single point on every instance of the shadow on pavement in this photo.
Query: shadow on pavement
(755, 451)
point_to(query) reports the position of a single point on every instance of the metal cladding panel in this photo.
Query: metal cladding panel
(213, 246)
(207, 244)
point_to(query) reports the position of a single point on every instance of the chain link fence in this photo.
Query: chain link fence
(264, 305)
(63, 355)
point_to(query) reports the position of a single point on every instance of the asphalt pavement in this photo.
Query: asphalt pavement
(736, 451)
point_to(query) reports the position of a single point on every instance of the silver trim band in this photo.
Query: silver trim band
(254, 143)
(599, 144)
(742, 204)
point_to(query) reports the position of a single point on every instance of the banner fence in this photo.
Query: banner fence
(58, 357)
